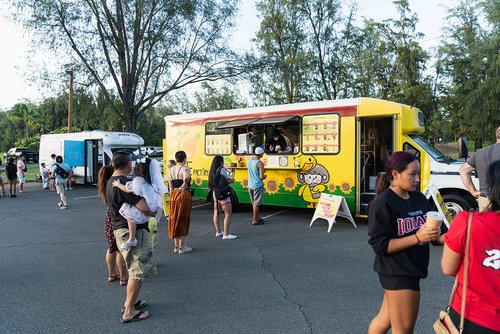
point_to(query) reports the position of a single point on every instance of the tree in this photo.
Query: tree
(331, 44)
(147, 49)
(211, 99)
(469, 58)
(26, 113)
(281, 40)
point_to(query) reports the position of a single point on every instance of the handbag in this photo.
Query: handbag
(444, 324)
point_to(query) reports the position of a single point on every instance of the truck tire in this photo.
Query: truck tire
(456, 203)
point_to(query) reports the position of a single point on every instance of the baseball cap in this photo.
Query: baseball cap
(259, 150)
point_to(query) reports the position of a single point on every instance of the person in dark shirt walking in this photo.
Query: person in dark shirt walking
(400, 240)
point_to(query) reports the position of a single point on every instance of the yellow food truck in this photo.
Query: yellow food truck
(337, 147)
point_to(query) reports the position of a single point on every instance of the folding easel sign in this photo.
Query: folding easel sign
(331, 206)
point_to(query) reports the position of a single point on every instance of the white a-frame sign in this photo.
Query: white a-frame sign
(432, 191)
(330, 206)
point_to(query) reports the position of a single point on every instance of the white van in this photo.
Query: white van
(86, 152)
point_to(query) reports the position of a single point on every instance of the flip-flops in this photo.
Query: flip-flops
(259, 222)
(138, 305)
(138, 317)
(113, 278)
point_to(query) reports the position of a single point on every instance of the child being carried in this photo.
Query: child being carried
(148, 184)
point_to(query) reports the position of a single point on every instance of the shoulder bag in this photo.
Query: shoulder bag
(444, 324)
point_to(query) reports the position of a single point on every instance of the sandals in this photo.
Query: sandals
(113, 278)
(137, 317)
(138, 305)
(260, 221)
(123, 282)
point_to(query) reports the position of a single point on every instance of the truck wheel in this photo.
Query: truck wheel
(455, 204)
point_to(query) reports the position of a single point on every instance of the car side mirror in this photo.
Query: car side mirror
(463, 151)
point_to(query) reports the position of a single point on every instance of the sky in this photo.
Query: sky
(14, 57)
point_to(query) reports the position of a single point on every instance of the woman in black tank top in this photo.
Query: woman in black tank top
(181, 202)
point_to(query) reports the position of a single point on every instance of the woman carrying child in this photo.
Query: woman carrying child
(148, 184)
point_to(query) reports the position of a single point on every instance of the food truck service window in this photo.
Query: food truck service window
(320, 134)
(282, 134)
(217, 141)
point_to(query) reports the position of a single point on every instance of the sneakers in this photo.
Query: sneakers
(185, 249)
(60, 204)
(129, 244)
(176, 250)
(220, 234)
(64, 207)
(229, 237)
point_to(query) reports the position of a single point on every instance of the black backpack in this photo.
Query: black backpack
(222, 189)
(61, 171)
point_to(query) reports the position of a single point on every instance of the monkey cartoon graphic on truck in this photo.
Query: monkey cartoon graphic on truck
(314, 178)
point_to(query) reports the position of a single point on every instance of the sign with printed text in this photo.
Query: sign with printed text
(331, 206)
(432, 191)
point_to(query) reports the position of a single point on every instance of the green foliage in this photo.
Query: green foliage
(32, 142)
(469, 59)
(144, 49)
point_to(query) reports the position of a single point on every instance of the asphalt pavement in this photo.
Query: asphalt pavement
(280, 277)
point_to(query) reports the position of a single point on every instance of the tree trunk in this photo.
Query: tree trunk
(131, 112)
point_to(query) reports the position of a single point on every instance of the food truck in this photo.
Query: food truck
(336, 146)
(86, 152)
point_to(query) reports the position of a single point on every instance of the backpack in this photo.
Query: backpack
(222, 189)
(61, 171)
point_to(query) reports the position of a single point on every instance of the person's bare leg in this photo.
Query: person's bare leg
(255, 213)
(133, 289)
(131, 230)
(111, 263)
(403, 310)
(180, 242)
(381, 323)
(12, 189)
(216, 218)
(122, 267)
(228, 211)
(63, 198)
(21, 187)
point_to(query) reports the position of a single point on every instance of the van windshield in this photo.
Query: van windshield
(432, 151)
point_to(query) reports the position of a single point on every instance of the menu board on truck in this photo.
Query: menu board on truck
(320, 134)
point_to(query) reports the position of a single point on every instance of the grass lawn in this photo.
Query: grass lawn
(31, 175)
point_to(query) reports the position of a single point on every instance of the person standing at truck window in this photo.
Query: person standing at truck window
(21, 170)
(225, 204)
(479, 163)
(400, 241)
(256, 175)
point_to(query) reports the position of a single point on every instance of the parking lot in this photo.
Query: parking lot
(280, 277)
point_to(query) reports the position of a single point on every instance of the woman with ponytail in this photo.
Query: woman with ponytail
(400, 240)
(113, 257)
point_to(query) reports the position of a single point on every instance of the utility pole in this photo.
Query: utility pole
(70, 98)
